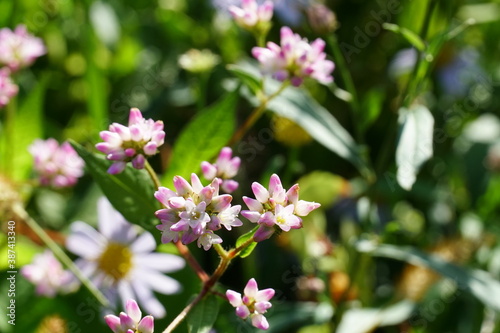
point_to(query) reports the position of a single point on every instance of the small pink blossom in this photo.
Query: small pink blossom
(276, 207)
(225, 168)
(47, 273)
(58, 166)
(295, 59)
(8, 89)
(134, 143)
(252, 16)
(253, 304)
(18, 48)
(130, 321)
(194, 212)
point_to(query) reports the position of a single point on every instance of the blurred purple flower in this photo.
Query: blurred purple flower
(18, 48)
(134, 143)
(295, 59)
(194, 212)
(122, 263)
(58, 166)
(253, 304)
(252, 16)
(225, 168)
(8, 89)
(131, 320)
(47, 273)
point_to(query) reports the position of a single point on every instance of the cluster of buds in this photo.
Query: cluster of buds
(18, 49)
(276, 207)
(134, 143)
(253, 304)
(194, 212)
(130, 321)
(225, 167)
(57, 166)
(48, 275)
(8, 89)
(253, 17)
(295, 59)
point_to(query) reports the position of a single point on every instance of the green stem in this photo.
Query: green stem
(152, 174)
(255, 115)
(60, 254)
(348, 81)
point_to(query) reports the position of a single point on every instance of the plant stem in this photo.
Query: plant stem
(255, 115)
(152, 174)
(60, 254)
(349, 83)
(210, 282)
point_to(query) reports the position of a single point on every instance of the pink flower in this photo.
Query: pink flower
(253, 304)
(47, 273)
(276, 207)
(7, 88)
(253, 17)
(194, 212)
(130, 321)
(134, 143)
(58, 166)
(18, 48)
(225, 168)
(121, 262)
(295, 59)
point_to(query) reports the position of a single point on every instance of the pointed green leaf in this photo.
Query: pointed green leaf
(202, 138)
(130, 192)
(409, 35)
(245, 237)
(415, 143)
(203, 316)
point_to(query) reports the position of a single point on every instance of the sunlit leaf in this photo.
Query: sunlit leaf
(415, 143)
(409, 35)
(202, 138)
(245, 237)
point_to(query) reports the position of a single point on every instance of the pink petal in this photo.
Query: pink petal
(251, 288)
(113, 322)
(260, 322)
(146, 325)
(133, 310)
(260, 192)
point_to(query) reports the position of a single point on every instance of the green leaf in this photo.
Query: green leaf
(26, 125)
(248, 79)
(297, 105)
(409, 35)
(203, 316)
(479, 283)
(130, 192)
(415, 143)
(322, 187)
(368, 319)
(203, 138)
(372, 106)
(245, 237)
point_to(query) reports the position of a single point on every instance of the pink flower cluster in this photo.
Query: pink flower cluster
(253, 304)
(18, 48)
(251, 16)
(295, 59)
(195, 211)
(8, 89)
(276, 207)
(47, 273)
(134, 143)
(225, 168)
(57, 166)
(130, 321)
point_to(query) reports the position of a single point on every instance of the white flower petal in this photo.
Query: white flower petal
(161, 262)
(159, 282)
(144, 243)
(85, 241)
(147, 300)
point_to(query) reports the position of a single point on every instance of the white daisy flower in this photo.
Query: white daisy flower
(121, 262)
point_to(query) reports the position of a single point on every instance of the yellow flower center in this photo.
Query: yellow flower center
(280, 220)
(115, 261)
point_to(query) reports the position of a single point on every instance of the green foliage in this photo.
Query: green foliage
(202, 138)
(130, 192)
(244, 238)
(202, 317)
